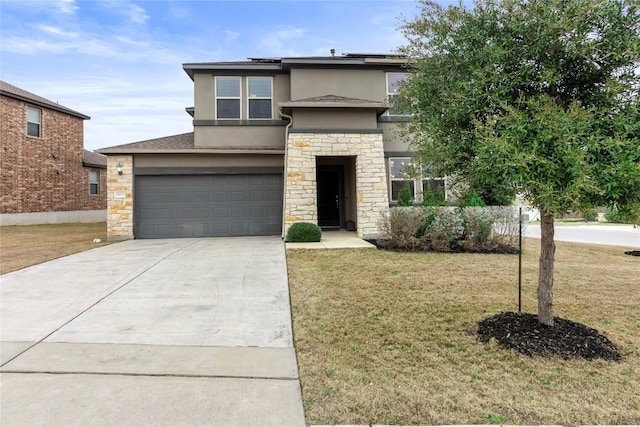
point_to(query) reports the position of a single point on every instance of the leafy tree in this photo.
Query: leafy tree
(538, 96)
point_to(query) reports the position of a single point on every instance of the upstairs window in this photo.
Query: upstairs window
(394, 80)
(94, 182)
(34, 121)
(228, 97)
(259, 94)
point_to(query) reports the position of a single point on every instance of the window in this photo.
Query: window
(34, 121)
(94, 182)
(259, 94)
(228, 97)
(402, 171)
(394, 81)
(399, 176)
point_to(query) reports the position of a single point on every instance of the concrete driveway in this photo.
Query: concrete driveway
(151, 332)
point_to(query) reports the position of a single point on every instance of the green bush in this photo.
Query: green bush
(404, 196)
(478, 224)
(475, 200)
(613, 215)
(433, 198)
(304, 232)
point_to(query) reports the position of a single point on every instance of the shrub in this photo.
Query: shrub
(614, 215)
(400, 227)
(433, 198)
(404, 196)
(475, 200)
(478, 223)
(443, 227)
(304, 232)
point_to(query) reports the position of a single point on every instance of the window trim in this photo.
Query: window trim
(39, 123)
(249, 98)
(416, 182)
(389, 95)
(408, 179)
(96, 183)
(216, 97)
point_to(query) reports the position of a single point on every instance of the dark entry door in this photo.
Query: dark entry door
(330, 195)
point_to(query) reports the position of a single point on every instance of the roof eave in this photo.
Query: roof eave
(44, 105)
(116, 151)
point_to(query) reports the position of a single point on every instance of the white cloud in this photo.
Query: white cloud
(231, 35)
(56, 31)
(137, 14)
(127, 40)
(278, 42)
(67, 7)
(131, 11)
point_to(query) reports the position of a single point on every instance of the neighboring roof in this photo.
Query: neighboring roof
(89, 158)
(15, 92)
(334, 101)
(183, 143)
(283, 64)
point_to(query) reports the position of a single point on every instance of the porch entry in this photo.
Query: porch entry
(335, 189)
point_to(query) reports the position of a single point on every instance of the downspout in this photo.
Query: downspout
(286, 164)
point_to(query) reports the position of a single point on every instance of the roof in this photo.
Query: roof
(334, 101)
(283, 64)
(15, 92)
(89, 158)
(182, 143)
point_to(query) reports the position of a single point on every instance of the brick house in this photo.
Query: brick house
(46, 174)
(275, 141)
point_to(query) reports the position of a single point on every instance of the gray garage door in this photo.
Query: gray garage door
(208, 205)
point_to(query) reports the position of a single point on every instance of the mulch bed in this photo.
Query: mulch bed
(633, 253)
(456, 247)
(566, 339)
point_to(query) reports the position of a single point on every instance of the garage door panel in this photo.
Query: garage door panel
(208, 205)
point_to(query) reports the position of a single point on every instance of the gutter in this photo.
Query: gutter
(286, 163)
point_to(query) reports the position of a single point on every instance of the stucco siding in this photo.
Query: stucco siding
(207, 160)
(324, 118)
(239, 136)
(362, 84)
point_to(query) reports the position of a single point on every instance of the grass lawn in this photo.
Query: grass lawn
(25, 245)
(389, 338)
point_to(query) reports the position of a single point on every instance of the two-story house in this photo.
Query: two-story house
(46, 175)
(275, 141)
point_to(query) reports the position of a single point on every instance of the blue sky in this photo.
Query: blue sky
(120, 61)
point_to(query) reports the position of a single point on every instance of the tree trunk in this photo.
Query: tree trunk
(545, 276)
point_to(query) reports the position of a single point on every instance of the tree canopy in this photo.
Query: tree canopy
(539, 97)
(535, 96)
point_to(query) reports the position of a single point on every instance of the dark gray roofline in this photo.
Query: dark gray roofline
(92, 159)
(283, 64)
(11, 91)
(205, 150)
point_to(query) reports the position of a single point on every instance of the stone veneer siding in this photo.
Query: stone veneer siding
(119, 210)
(371, 178)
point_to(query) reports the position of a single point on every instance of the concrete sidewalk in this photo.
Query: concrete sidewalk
(161, 332)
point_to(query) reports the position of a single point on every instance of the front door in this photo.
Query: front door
(330, 195)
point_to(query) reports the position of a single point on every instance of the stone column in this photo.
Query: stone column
(119, 198)
(371, 178)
